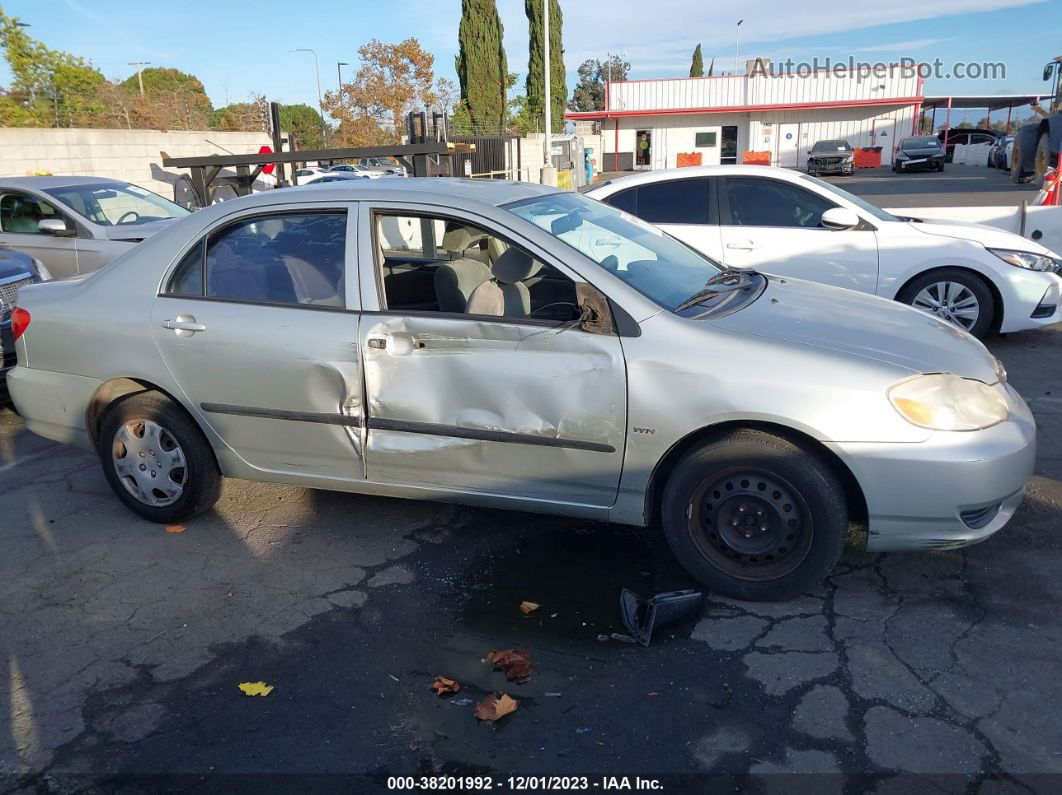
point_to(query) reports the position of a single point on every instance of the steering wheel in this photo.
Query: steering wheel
(134, 213)
(610, 263)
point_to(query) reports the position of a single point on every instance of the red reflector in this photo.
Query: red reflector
(20, 320)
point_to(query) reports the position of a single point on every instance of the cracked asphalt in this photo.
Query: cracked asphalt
(121, 645)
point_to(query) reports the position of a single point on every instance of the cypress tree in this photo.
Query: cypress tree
(536, 86)
(481, 64)
(697, 68)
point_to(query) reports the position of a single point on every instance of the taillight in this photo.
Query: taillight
(20, 320)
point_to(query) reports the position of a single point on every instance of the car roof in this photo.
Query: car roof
(658, 175)
(56, 182)
(486, 191)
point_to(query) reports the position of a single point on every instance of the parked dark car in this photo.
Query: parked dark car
(965, 135)
(918, 151)
(997, 155)
(831, 157)
(16, 271)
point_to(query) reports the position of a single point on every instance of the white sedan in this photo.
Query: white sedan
(783, 222)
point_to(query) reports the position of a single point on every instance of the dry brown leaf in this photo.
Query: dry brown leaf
(494, 707)
(515, 662)
(444, 685)
(175, 528)
(529, 607)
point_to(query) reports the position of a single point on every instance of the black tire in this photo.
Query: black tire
(974, 283)
(1016, 175)
(940, 166)
(1042, 160)
(200, 481)
(771, 480)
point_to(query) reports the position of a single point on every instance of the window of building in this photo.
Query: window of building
(703, 139)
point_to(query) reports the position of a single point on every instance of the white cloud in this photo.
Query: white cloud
(904, 46)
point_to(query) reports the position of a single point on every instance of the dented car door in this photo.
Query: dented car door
(499, 405)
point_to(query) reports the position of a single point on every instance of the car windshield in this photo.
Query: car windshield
(926, 142)
(652, 262)
(862, 204)
(117, 203)
(831, 146)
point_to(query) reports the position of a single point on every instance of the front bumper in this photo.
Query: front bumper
(917, 494)
(817, 167)
(1028, 296)
(931, 162)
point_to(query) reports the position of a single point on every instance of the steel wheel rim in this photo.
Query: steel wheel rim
(950, 301)
(750, 524)
(149, 463)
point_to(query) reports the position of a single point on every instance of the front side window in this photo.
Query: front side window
(117, 204)
(433, 264)
(680, 201)
(862, 204)
(655, 264)
(21, 213)
(769, 202)
(293, 258)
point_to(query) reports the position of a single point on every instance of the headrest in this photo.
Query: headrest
(459, 237)
(514, 266)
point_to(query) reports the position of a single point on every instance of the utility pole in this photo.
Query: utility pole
(339, 72)
(320, 101)
(139, 73)
(737, 44)
(548, 141)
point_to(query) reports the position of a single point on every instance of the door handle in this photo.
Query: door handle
(745, 245)
(183, 325)
(395, 344)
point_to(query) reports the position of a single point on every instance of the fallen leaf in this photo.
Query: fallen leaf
(175, 528)
(494, 707)
(529, 607)
(256, 688)
(444, 685)
(515, 662)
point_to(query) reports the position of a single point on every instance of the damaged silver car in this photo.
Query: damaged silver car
(508, 345)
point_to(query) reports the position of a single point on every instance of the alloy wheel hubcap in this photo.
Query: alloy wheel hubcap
(149, 462)
(750, 524)
(949, 301)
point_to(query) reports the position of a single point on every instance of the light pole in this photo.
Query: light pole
(139, 75)
(317, 72)
(339, 72)
(548, 140)
(737, 44)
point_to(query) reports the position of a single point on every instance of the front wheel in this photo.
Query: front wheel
(957, 296)
(156, 459)
(754, 516)
(1042, 160)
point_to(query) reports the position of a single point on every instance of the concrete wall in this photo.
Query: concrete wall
(132, 155)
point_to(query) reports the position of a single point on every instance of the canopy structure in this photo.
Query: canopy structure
(985, 102)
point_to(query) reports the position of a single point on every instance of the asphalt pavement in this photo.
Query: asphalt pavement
(122, 645)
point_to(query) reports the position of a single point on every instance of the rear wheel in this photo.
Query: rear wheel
(1042, 161)
(1015, 165)
(959, 297)
(156, 459)
(754, 516)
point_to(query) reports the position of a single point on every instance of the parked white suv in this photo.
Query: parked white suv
(790, 224)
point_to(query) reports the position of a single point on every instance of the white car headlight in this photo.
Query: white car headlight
(1025, 259)
(946, 402)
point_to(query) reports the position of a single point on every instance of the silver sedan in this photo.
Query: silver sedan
(510, 345)
(76, 225)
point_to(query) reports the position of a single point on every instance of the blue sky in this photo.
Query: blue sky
(237, 46)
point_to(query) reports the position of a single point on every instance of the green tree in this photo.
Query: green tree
(589, 92)
(536, 85)
(481, 64)
(172, 99)
(697, 67)
(305, 124)
(49, 88)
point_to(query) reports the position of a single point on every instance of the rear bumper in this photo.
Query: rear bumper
(953, 490)
(53, 405)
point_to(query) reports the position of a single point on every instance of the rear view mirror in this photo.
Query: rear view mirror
(839, 218)
(56, 227)
(566, 223)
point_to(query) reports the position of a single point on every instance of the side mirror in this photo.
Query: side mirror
(595, 313)
(839, 219)
(56, 227)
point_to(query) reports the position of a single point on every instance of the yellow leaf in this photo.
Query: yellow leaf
(529, 607)
(256, 688)
(175, 528)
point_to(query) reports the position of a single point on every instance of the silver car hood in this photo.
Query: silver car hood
(858, 324)
(134, 233)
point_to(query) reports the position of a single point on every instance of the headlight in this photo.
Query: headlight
(849, 157)
(1025, 259)
(43, 273)
(946, 402)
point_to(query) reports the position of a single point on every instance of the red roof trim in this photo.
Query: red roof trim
(854, 103)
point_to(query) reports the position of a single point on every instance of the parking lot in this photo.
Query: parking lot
(123, 644)
(956, 186)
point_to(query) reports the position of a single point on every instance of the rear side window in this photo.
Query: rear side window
(624, 200)
(769, 202)
(680, 201)
(294, 258)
